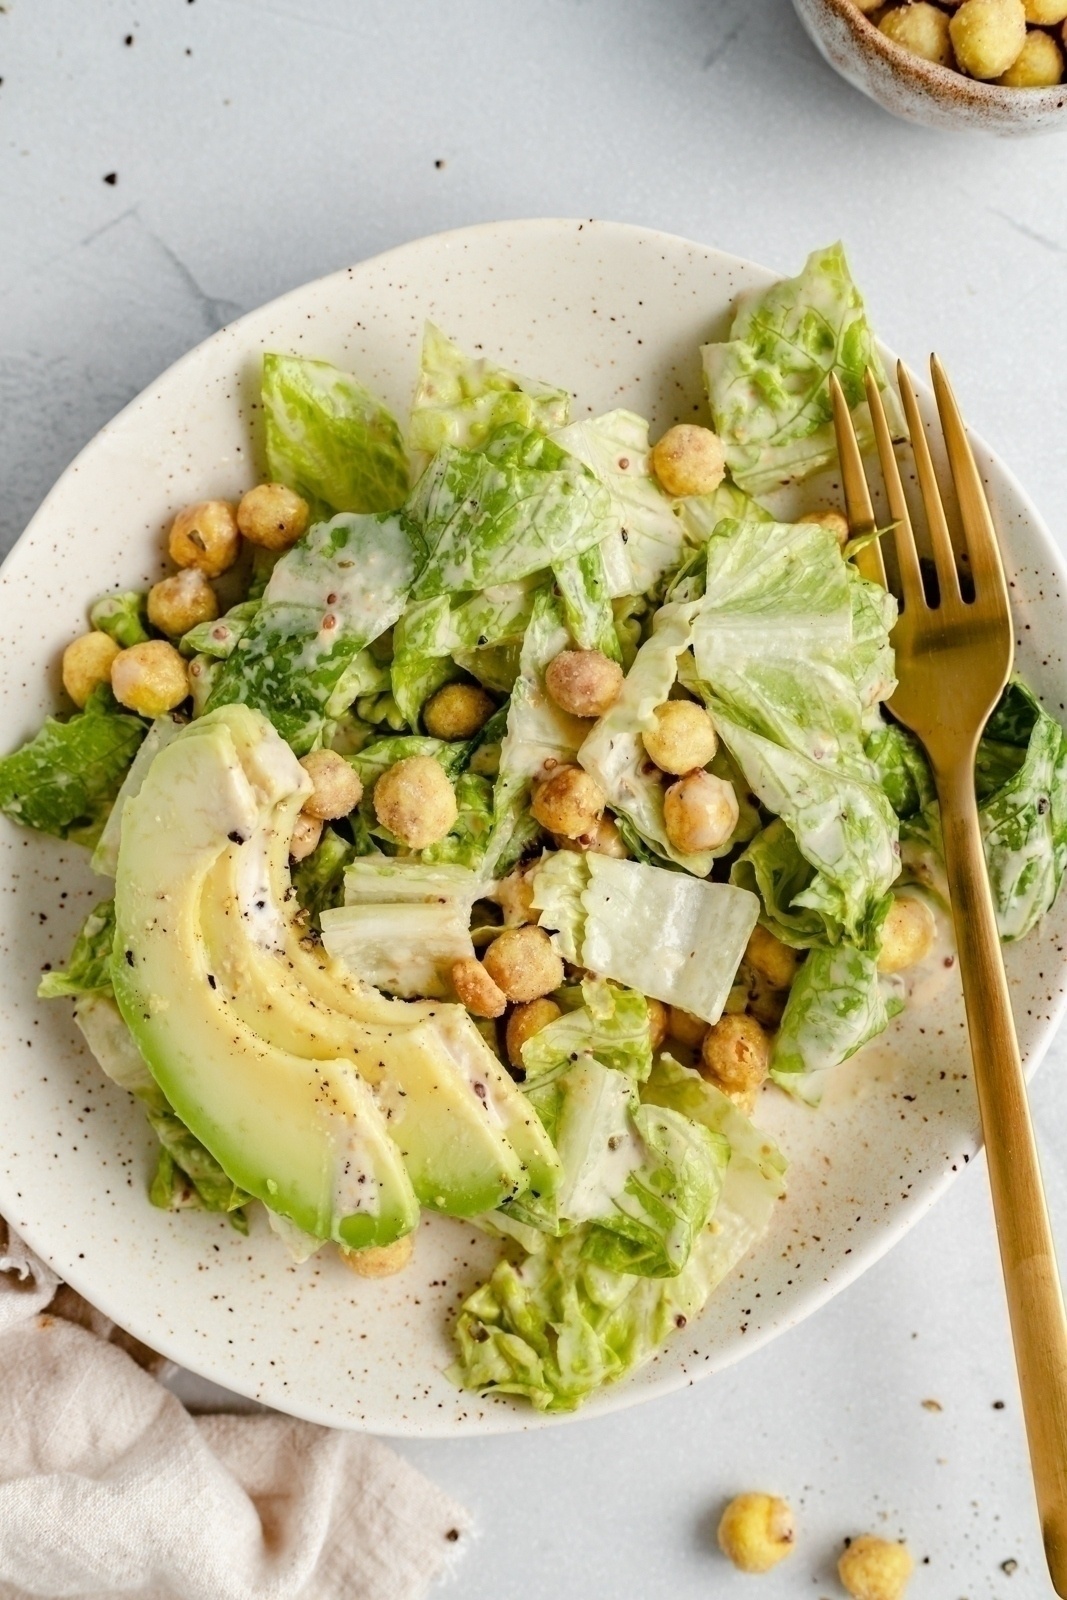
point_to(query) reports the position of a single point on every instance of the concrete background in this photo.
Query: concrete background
(254, 144)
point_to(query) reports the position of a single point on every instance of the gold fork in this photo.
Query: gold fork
(953, 661)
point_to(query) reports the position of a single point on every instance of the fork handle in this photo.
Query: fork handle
(1027, 1252)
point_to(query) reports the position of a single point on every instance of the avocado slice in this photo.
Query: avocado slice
(280, 946)
(305, 1137)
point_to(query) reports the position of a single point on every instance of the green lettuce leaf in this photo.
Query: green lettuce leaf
(900, 766)
(460, 401)
(609, 1024)
(329, 439)
(123, 617)
(583, 590)
(773, 868)
(435, 637)
(838, 1003)
(342, 586)
(89, 968)
(767, 385)
(319, 879)
(498, 514)
(64, 781)
(218, 639)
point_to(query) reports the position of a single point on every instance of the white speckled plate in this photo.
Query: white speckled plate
(616, 314)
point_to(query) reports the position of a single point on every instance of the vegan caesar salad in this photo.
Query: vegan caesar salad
(495, 808)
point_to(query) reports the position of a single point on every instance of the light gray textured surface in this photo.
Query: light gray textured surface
(259, 143)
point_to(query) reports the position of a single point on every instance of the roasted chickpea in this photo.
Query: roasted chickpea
(481, 994)
(908, 933)
(150, 678)
(1045, 13)
(179, 603)
(682, 737)
(338, 787)
(457, 711)
(524, 1022)
(657, 1023)
(689, 460)
(922, 29)
(272, 516)
(569, 802)
(205, 536)
(87, 664)
(875, 1569)
(987, 36)
(585, 683)
(1038, 65)
(416, 802)
(380, 1260)
(735, 1055)
(524, 963)
(828, 517)
(307, 831)
(771, 958)
(756, 1531)
(685, 1027)
(514, 895)
(700, 812)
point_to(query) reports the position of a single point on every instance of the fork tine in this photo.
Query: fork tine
(903, 537)
(987, 570)
(944, 556)
(854, 483)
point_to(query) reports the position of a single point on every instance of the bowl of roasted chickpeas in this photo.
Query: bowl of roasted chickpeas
(997, 65)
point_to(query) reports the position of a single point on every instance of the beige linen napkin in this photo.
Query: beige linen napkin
(109, 1487)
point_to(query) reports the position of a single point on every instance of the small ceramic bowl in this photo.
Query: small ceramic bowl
(919, 90)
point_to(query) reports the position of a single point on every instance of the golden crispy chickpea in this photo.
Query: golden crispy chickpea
(87, 664)
(1038, 65)
(338, 787)
(908, 933)
(524, 963)
(475, 989)
(682, 737)
(457, 711)
(569, 802)
(756, 1531)
(687, 1028)
(875, 1569)
(524, 1022)
(205, 536)
(700, 812)
(150, 678)
(514, 895)
(771, 958)
(380, 1260)
(272, 516)
(735, 1054)
(827, 517)
(179, 603)
(922, 29)
(987, 36)
(658, 1017)
(585, 683)
(416, 802)
(689, 460)
(307, 831)
(1045, 13)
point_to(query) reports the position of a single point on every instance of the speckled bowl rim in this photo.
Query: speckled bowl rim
(945, 83)
(837, 1274)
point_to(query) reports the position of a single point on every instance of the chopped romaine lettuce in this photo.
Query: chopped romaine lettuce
(319, 879)
(329, 439)
(838, 1002)
(768, 384)
(460, 401)
(773, 867)
(648, 538)
(218, 639)
(495, 515)
(610, 1024)
(344, 584)
(123, 617)
(673, 937)
(89, 968)
(900, 766)
(403, 923)
(584, 590)
(64, 781)
(435, 638)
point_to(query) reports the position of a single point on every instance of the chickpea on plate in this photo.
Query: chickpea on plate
(527, 813)
(1016, 43)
